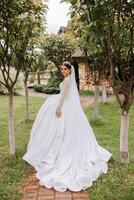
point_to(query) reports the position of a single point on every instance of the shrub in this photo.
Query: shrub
(46, 89)
(52, 86)
(86, 93)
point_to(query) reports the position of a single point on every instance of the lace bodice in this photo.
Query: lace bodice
(64, 90)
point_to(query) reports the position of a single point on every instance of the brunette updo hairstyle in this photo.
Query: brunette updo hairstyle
(67, 64)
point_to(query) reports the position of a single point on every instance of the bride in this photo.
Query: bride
(62, 146)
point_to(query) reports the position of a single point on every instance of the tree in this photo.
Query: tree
(58, 49)
(28, 63)
(41, 61)
(15, 17)
(94, 58)
(110, 25)
(32, 60)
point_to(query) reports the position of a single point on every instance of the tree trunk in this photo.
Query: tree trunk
(96, 102)
(38, 76)
(26, 101)
(10, 124)
(124, 156)
(104, 92)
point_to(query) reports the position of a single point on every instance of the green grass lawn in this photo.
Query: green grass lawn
(86, 93)
(13, 170)
(118, 184)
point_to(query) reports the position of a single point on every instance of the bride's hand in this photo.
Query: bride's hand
(58, 112)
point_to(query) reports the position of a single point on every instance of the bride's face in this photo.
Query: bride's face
(65, 71)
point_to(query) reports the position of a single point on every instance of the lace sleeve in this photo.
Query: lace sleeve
(64, 92)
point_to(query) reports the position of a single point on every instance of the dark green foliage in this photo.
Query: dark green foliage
(58, 49)
(52, 87)
(46, 89)
(86, 93)
(105, 30)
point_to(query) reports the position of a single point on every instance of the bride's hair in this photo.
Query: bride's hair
(67, 64)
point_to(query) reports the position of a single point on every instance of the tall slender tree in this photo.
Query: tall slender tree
(110, 26)
(58, 49)
(17, 24)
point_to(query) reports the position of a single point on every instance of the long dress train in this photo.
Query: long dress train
(64, 150)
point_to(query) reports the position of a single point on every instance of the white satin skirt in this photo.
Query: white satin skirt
(64, 150)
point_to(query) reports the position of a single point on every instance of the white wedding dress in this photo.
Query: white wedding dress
(64, 150)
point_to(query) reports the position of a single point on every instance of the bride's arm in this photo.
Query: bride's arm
(64, 94)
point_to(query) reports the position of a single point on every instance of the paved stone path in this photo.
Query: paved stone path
(32, 190)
